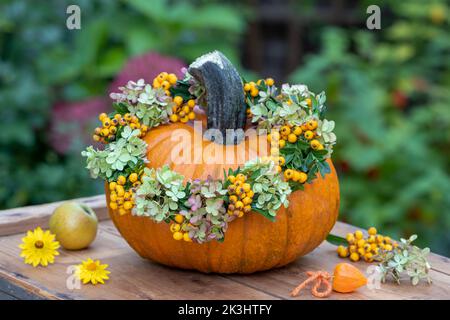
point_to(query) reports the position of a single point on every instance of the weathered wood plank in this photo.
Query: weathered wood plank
(18, 220)
(10, 291)
(135, 278)
(131, 276)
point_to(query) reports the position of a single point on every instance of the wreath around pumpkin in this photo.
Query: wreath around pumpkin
(301, 140)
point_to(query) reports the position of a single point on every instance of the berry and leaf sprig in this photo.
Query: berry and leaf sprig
(405, 258)
(298, 131)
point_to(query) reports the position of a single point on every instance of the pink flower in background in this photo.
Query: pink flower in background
(147, 67)
(72, 123)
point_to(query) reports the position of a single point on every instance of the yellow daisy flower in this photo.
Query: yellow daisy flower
(39, 247)
(92, 271)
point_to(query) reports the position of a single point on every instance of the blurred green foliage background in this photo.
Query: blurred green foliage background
(388, 91)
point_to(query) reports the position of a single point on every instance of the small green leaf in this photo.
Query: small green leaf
(336, 240)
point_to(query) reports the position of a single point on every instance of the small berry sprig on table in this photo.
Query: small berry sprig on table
(367, 248)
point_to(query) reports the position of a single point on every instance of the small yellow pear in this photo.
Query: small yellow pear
(74, 224)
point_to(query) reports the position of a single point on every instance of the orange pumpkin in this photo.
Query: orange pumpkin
(252, 243)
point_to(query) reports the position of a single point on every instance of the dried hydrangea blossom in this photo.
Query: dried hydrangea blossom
(206, 212)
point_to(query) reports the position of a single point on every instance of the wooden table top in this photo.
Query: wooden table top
(135, 278)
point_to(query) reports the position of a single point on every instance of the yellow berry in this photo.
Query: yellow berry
(387, 239)
(350, 238)
(281, 143)
(308, 102)
(303, 177)
(178, 235)
(113, 205)
(281, 161)
(156, 83)
(297, 131)
(247, 187)
(311, 124)
(120, 191)
(372, 231)
(361, 243)
(315, 144)
(184, 119)
(112, 185)
(361, 251)
(233, 199)
(352, 248)
(105, 132)
(380, 238)
(358, 235)
(174, 227)
(172, 78)
(186, 237)
(122, 211)
(354, 256)
(179, 218)
(191, 115)
(288, 174)
(292, 138)
(343, 252)
(309, 135)
(247, 200)
(127, 205)
(113, 197)
(388, 247)
(247, 87)
(254, 92)
(270, 82)
(368, 257)
(285, 130)
(239, 205)
(165, 85)
(178, 100)
(133, 177)
(102, 116)
(121, 180)
(173, 118)
(241, 177)
(296, 176)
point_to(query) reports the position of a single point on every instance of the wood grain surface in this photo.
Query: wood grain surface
(135, 278)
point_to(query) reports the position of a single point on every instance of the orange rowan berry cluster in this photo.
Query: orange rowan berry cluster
(107, 132)
(365, 248)
(165, 81)
(121, 197)
(240, 195)
(251, 88)
(291, 134)
(182, 111)
(178, 228)
(295, 175)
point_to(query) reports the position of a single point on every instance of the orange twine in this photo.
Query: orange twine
(320, 278)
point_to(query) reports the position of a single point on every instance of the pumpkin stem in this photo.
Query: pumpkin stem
(224, 96)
